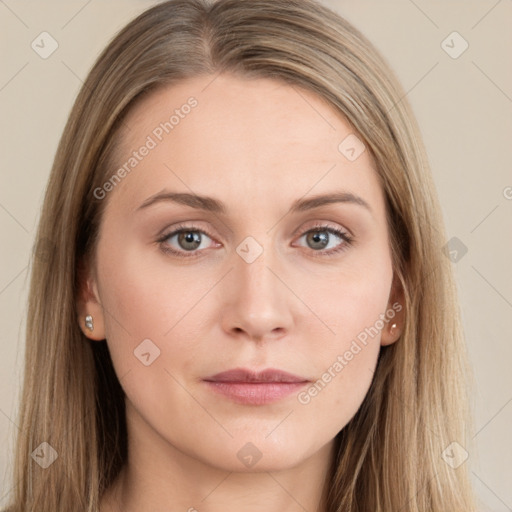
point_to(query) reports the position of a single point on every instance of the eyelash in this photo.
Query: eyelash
(181, 228)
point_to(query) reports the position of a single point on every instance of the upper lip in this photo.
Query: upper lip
(246, 375)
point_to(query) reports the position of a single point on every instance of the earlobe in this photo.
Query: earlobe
(92, 326)
(391, 333)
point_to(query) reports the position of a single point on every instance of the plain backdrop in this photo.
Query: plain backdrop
(463, 104)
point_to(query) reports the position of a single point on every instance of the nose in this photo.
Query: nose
(258, 304)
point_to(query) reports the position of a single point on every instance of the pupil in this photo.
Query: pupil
(320, 237)
(190, 237)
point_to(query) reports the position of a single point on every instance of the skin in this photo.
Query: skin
(256, 145)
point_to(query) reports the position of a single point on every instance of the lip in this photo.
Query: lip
(263, 376)
(251, 387)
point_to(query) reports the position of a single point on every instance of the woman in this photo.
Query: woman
(239, 297)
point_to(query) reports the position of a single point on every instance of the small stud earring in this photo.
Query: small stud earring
(393, 326)
(88, 323)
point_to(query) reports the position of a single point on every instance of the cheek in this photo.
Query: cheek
(352, 299)
(144, 299)
(150, 329)
(352, 303)
(357, 307)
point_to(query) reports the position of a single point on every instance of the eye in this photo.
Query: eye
(188, 239)
(322, 239)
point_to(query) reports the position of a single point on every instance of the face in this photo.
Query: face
(260, 275)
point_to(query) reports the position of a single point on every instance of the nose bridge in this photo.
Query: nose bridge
(258, 302)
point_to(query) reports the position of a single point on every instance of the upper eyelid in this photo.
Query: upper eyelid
(323, 225)
(317, 224)
(176, 229)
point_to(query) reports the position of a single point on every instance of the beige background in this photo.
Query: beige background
(463, 106)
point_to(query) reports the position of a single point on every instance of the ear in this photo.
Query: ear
(88, 303)
(395, 314)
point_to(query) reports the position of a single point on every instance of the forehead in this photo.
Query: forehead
(247, 111)
(225, 135)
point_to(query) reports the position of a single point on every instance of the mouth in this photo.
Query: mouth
(249, 387)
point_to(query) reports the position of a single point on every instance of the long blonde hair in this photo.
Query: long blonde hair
(390, 455)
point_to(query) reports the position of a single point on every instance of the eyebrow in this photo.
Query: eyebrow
(210, 204)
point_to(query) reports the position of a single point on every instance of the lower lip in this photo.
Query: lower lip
(255, 393)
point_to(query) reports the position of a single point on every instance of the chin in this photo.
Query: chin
(256, 455)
